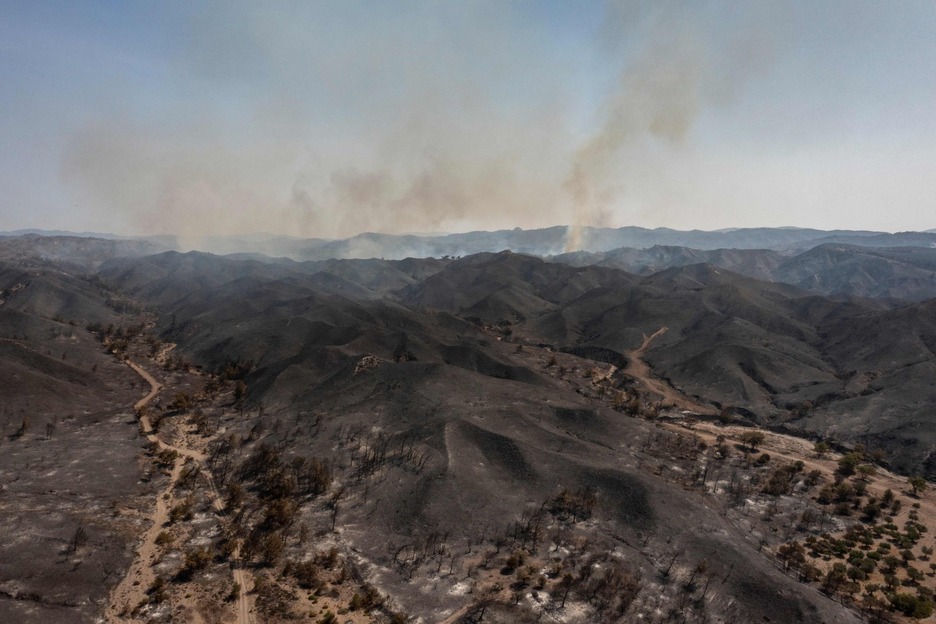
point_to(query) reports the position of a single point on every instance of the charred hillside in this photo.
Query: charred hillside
(773, 349)
(782, 355)
(428, 417)
(469, 435)
(905, 273)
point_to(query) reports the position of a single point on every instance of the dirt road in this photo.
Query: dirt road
(132, 590)
(155, 386)
(638, 369)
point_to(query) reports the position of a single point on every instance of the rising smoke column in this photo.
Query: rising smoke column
(679, 65)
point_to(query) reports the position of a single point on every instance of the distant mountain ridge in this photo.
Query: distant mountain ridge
(75, 252)
(541, 242)
(167, 240)
(899, 266)
(837, 269)
(559, 239)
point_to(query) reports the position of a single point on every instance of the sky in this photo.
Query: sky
(326, 119)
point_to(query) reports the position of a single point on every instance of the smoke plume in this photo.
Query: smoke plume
(329, 120)
(674, 71)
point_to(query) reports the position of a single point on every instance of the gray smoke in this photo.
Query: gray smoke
(676, 69)
(329, 120)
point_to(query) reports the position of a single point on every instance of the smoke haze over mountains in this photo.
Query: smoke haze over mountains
(328, 120)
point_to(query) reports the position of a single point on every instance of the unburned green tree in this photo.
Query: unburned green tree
(917, 485)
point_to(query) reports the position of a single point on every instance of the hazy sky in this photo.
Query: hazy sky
(331, 118)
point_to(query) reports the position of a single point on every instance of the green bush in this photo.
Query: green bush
(912, 606)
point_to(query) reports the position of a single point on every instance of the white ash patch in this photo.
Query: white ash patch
(461, 588)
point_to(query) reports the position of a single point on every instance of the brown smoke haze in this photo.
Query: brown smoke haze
(319, 122)
(326, 119)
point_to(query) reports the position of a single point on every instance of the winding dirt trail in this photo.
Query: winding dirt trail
(132, 590)
(638, 369)
(155, 386)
